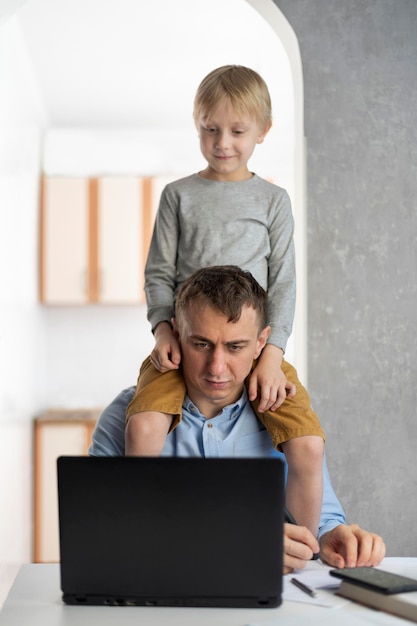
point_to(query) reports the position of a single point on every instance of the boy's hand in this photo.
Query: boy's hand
(270, 380)
(166, 354)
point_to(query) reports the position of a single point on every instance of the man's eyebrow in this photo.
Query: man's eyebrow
(200, 338)
(227, 343)
(238, 341)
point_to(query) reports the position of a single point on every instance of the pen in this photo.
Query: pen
(308, 590)
(291, 520)
(288, 517)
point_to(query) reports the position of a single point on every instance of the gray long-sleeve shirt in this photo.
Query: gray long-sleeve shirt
(203, 222)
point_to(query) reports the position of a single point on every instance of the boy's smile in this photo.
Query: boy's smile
(227, 141)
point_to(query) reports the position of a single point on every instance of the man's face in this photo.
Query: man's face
(217, 355)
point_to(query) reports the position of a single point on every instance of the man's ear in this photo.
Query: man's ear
(262, 339)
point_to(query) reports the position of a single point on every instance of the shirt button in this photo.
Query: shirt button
(209, 425)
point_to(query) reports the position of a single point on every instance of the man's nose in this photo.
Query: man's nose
(217, 363)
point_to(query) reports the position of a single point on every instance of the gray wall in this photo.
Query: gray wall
(360, 78)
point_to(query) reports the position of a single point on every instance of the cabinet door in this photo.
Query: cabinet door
(64, 241)
(152, 190)
(120, 240)
(53, 438)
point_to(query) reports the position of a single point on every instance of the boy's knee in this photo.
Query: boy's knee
(147, 423)
(308, 449)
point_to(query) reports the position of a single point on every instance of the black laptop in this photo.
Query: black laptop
(171, 531)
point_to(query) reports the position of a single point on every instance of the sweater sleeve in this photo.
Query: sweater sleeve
(160, 269)
(281, 272)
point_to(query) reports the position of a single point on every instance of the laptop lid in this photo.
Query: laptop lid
(171, 531)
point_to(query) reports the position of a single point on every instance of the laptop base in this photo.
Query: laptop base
(226, 602)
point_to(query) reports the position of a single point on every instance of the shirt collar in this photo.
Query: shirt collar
(231, 411)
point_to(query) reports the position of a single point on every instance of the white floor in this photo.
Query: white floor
(7, 575)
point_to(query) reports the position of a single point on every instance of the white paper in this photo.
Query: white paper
(320, 581)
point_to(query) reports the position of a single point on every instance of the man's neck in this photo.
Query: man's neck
(209, 408)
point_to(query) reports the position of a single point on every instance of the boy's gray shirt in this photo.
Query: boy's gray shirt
(203, 222)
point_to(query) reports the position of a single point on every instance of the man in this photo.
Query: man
(221, 327)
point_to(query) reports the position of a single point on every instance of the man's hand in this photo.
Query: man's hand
(299, 547)
(166, 354)
(344, 546)
(351, 546)
(270, 380)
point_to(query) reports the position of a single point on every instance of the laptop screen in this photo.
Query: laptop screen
(171, 531)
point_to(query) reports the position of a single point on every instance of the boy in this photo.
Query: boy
(227, 215)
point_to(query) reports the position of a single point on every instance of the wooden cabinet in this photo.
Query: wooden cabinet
(95, 236)
(120, 249)
(57, 433)
(65, 232)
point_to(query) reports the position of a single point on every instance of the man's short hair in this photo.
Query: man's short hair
(225, 288)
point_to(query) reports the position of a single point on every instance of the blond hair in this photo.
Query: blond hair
(243, 87)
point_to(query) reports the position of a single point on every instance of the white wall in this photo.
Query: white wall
(92, 353)
(64, 356)
(21, 121)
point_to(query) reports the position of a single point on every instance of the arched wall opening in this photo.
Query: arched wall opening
(32, 79)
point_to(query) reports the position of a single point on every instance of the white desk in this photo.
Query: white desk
(35, 600)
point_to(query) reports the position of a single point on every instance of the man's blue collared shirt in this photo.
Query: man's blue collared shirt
(235, 432)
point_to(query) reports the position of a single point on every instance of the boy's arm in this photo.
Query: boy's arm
(166, 354)
(281, 286)
(160, 268)
(269, 381)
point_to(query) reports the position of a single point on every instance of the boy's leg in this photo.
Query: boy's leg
(146, 433)
(155, 410)
(295, 429)
(294, 418)
(304, 490)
